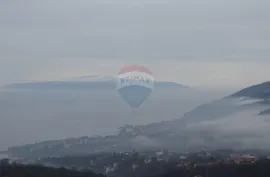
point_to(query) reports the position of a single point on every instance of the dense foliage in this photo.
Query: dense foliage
(142, 165)
(17, 170)
(157, 169)
(259, 169)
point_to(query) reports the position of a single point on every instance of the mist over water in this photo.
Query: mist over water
(34, 116)
(243, 129)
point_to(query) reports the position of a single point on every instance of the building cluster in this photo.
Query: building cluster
(243, 159)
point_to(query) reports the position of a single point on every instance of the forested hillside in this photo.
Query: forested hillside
(8, 169)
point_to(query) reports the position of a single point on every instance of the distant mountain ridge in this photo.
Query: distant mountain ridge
(256, 91)
(246, 98)
(85, 83)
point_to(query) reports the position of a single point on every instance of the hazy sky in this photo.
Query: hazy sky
(210, 43)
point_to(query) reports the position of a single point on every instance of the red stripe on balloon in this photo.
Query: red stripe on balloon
(135, 68)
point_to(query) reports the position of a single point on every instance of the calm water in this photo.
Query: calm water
(27, 117)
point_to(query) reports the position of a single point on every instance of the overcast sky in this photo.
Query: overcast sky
(201, 43)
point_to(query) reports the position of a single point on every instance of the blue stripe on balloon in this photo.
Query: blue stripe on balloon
(135, 95)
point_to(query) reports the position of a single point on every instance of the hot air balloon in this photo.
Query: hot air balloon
(135, 84)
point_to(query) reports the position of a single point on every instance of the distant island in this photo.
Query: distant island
(85, 83)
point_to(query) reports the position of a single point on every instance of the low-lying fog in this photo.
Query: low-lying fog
(242, 129)
(28, 116)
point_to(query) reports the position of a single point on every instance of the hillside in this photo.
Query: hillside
(256, 91)
(254, 97)
(8, 169)
(150, 164)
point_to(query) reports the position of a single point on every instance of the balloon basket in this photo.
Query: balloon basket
(134, 111)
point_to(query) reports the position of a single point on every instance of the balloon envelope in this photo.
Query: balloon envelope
(134, 95)
(135, 84)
